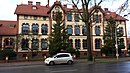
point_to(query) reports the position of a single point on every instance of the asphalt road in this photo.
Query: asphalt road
(120, 67)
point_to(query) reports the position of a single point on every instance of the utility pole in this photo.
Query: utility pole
(116, 45)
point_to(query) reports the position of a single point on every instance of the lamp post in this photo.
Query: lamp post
(116, 45)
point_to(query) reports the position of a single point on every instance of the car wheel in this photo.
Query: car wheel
(51, 63)
(69, 62)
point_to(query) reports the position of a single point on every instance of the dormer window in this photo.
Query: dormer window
(1, 25)
(12, 26)
(57, 9)
(34, 7)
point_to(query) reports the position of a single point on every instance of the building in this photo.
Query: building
(34, 24)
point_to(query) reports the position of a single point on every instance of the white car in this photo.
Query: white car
(59, 58)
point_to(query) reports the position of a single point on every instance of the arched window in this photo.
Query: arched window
(25, 44)
(35, 44)
(69, 30)
(77, 30)
(25, 28)
(6, 42)
(44, 44)
(44, 29)
(70, 42)
(35, 28)
(77, 43)
(97, 30)
(85, 44)
(98, 43)
(11, 42)
(84, 30)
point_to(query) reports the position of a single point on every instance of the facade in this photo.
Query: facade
(34, 24)
(7, 37)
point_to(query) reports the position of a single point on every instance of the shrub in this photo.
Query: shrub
(7, 53)
(73, 51)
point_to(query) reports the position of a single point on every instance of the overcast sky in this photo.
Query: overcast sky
(7, 8)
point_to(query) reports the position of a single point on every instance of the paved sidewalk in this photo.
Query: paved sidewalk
(41, 62)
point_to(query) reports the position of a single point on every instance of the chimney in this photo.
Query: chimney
(48, 3)
(106, 9)
(38, 3)
(30, 2)
(65, 6)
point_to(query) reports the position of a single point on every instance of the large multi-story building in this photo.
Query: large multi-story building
(34, 24)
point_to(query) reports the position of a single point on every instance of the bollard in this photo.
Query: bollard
(93, 58)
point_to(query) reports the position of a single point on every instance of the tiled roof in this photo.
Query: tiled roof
(114, 15)
(30, 10)
(43, 10)
(8, 27)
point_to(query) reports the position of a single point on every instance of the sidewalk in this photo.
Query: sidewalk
(42, 63)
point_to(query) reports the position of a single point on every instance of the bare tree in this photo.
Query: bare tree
(86, 18)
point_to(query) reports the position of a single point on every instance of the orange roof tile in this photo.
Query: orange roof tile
(28, 10)
(8, 27)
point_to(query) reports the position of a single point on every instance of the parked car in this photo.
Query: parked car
(59, 58)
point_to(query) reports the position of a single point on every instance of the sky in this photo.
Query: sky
(7, 8)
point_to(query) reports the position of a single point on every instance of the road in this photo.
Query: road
(120, 67)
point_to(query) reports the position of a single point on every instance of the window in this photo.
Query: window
(44, 29)
(76, 17)
(34, 7)
(77, 44)
(70, 42)
(25, 16)
(69, 30)
(53, 15)
(121, 44)
(35, 44)
(77, 30)
(44, 44)
(84, 30)
(97, 43)
(35, 17)
(120, 31)
(44, 17)
(85, 44)
(25, 44)
(11, 41)
(35, 28)
(6, 41)
(69, 17)
(25, 28)
(0, 42)
(96, 18)
(97, 30)
(100, 19)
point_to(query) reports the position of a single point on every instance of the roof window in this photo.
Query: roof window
(1, 25)
(12, 26)
(34, 7)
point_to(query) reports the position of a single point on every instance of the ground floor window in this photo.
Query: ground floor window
(44, 44)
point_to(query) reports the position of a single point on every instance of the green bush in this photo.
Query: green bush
(7, 53)
(73, 51)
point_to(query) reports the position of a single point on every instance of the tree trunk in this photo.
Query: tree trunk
(90, 58)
